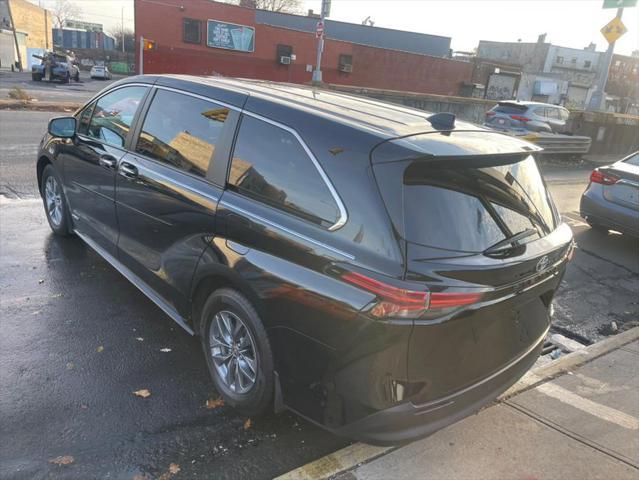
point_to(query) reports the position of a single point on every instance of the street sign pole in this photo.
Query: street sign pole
(317, 73)
(597, 100)
(141, 55)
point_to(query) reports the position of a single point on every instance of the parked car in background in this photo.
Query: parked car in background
(611, 200)
(529, 116)
(55, 66)
(378, 270)
(100, 71)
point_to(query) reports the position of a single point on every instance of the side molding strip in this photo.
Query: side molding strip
(138, 282)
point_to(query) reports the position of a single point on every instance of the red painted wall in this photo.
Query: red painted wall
(372, 67)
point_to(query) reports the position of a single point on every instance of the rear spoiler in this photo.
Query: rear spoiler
(464, 147)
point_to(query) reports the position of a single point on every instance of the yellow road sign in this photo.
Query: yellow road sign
(613, 30)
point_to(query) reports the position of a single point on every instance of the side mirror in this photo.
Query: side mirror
(62, 127)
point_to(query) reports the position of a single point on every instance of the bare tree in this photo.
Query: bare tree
(65, 10)
(127, 35)
(283, 6)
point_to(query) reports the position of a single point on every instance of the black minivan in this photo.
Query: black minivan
(380, 271)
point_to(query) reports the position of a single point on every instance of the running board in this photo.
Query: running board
(138, 282)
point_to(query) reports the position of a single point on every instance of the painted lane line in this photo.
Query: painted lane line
(593, 408)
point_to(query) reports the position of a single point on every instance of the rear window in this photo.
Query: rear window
(469, 209)
(634, 160)
(509, 108)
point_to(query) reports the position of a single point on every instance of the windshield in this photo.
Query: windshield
(470, 209)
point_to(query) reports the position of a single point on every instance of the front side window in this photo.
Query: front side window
(84, 119)
(271, 166)
(113, 115)
(182, 131)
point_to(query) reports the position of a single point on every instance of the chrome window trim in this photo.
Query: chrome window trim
(343, 214)
(101, 94)
(195, 95)
(287, 230)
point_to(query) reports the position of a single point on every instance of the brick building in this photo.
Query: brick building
(204, 37)
(623, 82)
(33, 32)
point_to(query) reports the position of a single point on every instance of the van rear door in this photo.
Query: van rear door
(482, 233)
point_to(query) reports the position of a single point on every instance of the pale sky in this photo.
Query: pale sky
(569, 23)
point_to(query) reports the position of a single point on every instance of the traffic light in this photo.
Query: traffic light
(149, 45)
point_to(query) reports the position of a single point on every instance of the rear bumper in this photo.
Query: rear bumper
(595, 208)
(408, 421)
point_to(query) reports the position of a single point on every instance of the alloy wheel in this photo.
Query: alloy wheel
(233, 352)
(53, 198)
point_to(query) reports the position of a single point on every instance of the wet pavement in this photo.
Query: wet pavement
(78, 340)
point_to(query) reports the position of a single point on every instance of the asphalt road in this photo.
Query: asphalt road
(54, 91)
(78, 339)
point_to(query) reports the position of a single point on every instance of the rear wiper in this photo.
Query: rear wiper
(510, 240)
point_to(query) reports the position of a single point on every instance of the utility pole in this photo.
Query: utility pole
(597, 100)
(326, 10)
(122, 31)
(15, 38)
(141, 68)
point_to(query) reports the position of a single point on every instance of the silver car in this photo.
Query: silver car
(530, 116)
(100, 71)
(611, 201)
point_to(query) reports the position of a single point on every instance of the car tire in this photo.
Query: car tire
(248, 352)
(55, 202)
(66, 79)
(36, 77)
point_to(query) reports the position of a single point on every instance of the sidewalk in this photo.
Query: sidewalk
(583, 424)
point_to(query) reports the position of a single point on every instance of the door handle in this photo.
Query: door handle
(128, 171)
(109, 162)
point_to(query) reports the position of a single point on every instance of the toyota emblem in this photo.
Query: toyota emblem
(542, 264)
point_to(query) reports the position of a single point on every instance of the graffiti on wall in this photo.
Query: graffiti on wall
(500, 87)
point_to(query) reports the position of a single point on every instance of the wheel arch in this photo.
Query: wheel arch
(211, 277)
(43, 161)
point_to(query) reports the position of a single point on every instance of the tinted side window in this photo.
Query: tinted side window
(114, 114)
(271, 166)
(84, 118)
(182, 131)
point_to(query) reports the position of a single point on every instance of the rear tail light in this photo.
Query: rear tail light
(597, 176)
(404, 303)
(490, 114)
(520, 118)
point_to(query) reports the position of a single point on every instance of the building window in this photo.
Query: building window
(574, 60)
(559, 60)
(284, 53)
(192, 31)
(346, 63)
(587, 64)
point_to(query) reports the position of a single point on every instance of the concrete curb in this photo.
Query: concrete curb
(39, 106)
(358, 453)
